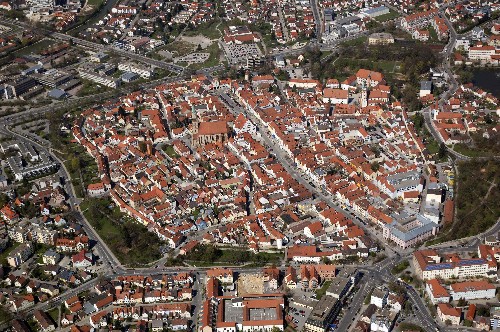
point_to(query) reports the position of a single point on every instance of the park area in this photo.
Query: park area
(477, 196)
(130, 242)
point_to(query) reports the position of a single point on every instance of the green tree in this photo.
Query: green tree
(74, 164)
(418, 121)
(407, 307)
(442, 153)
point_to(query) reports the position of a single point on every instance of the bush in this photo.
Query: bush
(400, 267)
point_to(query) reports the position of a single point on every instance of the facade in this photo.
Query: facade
(379, 297)
(335, 96)
(20, 254)
(425, 88)
(142, 71)
(482, 53)
(323, 314)
(436, 292)
(210, 133)
(429, 265)
(380, 38)
(374, 12)
(236, 314)
(418, 20)
(100, 79)
(472, 290)
(446, 312)
(407, 232)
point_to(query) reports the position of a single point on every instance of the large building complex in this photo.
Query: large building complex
(429, 264)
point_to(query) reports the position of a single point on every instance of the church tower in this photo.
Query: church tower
(364, 96)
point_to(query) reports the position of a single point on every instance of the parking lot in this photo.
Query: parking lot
(299, 314)
(193, 58)
(235, 53)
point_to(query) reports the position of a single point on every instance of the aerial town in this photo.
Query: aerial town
(249, 166)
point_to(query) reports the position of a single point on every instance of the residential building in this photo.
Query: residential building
(20, 254)
(446, 313)
(380, 38)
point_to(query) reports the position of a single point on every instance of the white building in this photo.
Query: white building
(436, 292)
(20, 254)
(142, 71)
(482, 53)
(472, 290)
(429, 265)
(379, 297)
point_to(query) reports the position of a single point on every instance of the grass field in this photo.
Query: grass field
(212, 60)
(54, 314)
(322, 291)
(6, 252)
(469, 152)
(180, 48)
(433, 147)
(89, 88)
(387, 17)
(356, 41)
(35, 48)
(94, 3)
(169, 150)
(207, 255)
(476, 200)
(208, 29)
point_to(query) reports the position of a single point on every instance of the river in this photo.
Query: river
(488, 80)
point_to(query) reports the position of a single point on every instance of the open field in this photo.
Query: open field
(387, 17)
(35, 48)
(208, 29)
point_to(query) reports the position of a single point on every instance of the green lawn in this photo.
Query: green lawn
(207, 255)
(35, 48)
(387, 66)
(82, 168)
(181, 48)
(54, 314)
(356, 41)
(432, 146)
(95, 3)
(322, 291)
(3, 256)
(432, 34)
(212, 60)
(90, 88)
(207, 29)
(400, 267)
(387, 17)
(169, 150)
(469, 152)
